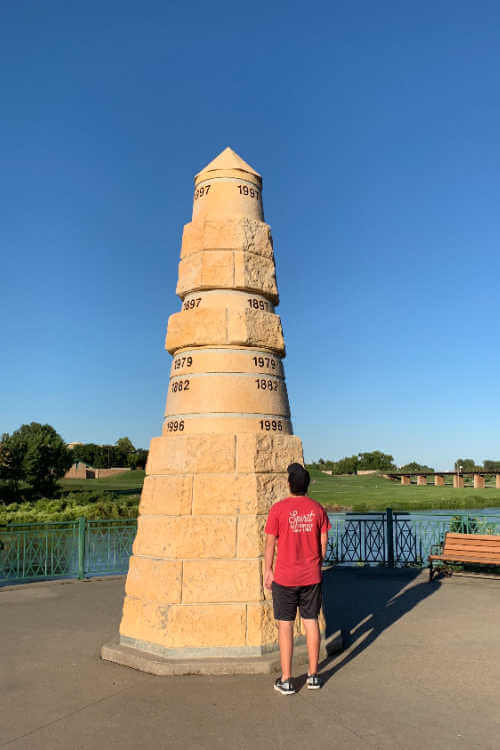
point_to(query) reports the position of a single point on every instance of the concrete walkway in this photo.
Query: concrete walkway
(421, 670)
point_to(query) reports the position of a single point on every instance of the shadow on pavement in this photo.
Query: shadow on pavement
(362, 604)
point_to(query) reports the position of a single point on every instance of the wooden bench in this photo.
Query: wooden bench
(471, 548)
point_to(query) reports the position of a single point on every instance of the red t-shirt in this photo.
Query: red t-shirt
(298, 522)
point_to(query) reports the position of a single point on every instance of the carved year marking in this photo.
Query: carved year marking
(265, 362)
(266, 385)
(271, 424)
(183, 361)
(245, 190)
(258, 304)
(180, 385)
(190, 304)
(175, 425)
(201, 192)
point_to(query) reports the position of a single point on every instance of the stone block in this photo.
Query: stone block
(230, 494)
(196, 328)
(206, 625)
(259, 361)
(227, 393)
(405, 480)
(261, 625)
(229, 423)
(237, 493)
(154, 580)
(224, 269)
(241, 299)
(239, 233)
(224, 199)
(186, 537)
(256, 328)
(221, 581)
(267, 453)
(191, 454)
(143, 620)
(167, 495)
(206, 270)
(270, 489)
(251, 536)
(438, 480)
(212, 327)
(255, 273)
(421, 480)
(190, 272)
(458, 481)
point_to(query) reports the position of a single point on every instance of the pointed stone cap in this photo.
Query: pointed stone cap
(228, 164)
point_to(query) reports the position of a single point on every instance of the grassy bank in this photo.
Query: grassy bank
(118, 497)
(130, 482)
(94, 499)
(374, 492)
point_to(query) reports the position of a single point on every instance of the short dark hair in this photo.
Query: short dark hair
(298, 479)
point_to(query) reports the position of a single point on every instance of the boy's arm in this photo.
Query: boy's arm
(268, 560)
(324, 542)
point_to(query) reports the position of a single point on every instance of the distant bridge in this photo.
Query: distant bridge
(458, 477)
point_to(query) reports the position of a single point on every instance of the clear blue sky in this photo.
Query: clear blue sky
(376, 128)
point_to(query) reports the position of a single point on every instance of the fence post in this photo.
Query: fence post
(82, 523)
(390, 537)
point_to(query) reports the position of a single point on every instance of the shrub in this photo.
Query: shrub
(71, 507)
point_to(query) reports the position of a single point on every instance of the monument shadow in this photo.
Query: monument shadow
(362, 604)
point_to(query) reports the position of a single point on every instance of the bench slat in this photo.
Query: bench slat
(472, 548)
(491, 542)
(494, 540)
(467, 558)
(490, 537)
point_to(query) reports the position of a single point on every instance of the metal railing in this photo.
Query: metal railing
(81, 549)
(395, 538)
(65, 549)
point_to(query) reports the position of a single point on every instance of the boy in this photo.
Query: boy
(300, 526)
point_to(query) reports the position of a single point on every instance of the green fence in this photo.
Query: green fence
(66, 549)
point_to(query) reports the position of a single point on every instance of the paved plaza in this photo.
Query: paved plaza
(421, 669)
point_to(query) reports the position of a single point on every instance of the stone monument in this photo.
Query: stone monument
(195, 601)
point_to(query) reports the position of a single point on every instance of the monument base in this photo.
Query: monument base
(168, 667)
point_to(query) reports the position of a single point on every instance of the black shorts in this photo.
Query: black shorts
(286, 599)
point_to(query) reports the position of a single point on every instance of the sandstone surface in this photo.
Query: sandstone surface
(195, 582)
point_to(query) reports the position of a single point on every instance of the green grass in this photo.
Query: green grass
(129, 480)
(373, 492)
(114, 497)
(118, 496)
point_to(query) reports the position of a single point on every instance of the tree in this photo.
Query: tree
(376, 460)
(12, 450)
(125, 445)
(41, 456)
(122, 450)
(137, 459)
(106, 457)
(87, 453)
(346, 465)
(491, 465)
(413, 467)
(467, 464)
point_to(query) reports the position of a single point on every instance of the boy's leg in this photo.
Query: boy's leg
(285, 640)
(313, 640)
(285, 601)
(310, 605)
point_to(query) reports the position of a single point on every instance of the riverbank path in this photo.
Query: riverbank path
(420, 669)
